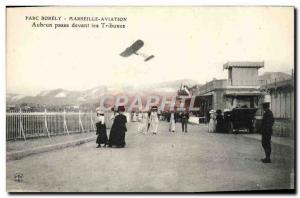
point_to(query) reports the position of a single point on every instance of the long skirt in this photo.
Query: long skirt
(117, 138)
(172, 125)
(134, 118)
(101, 132)
(154, 126)
(142, 128)
(211, 126)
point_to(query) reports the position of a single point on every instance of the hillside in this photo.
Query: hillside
(270, 77)
(67, 97)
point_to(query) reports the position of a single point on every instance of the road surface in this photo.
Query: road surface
(196, 161)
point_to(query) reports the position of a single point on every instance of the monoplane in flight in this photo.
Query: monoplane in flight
(133, 49)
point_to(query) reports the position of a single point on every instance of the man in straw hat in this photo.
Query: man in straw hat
(266, 131)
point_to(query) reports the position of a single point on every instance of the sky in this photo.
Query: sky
(187, 42)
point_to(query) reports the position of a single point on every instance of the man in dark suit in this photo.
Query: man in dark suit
(184, 120)
(266, 131)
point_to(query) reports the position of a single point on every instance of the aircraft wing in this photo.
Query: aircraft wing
(133, 48)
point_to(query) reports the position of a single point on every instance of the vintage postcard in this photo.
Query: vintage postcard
(150, 99)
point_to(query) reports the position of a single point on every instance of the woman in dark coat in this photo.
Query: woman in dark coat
(227, 121)
(220, 122)
(118, 130)
(101, 130)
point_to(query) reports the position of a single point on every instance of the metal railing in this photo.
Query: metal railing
(215, 84)
(23, 125)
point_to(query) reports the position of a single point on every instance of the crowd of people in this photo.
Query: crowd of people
(219, 122)
(117, 130)
(149, 121)
(223, 122)
(173, 117)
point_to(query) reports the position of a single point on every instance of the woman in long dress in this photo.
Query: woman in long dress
(101, 130)
(227, 121)
(212, 121)
(112, 117)
(142, 128)
(118, 129)
(172, 126)
(140, 116)
(134, 117)
(154, 121)
(220, 122)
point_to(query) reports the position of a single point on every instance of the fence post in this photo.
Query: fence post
(46, 125)
(21, 126)
(65, 123)
(80, 123)
(92, 123)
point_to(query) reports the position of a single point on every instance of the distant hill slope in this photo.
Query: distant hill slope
(270, 77)
(66, 97)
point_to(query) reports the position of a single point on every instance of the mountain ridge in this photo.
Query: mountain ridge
(62, 96)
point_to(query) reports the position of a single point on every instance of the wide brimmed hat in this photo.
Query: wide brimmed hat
(99, 111)
(121, 108)
(154, 108)
(212, 111)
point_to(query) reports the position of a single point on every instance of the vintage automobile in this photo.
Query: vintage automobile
(242, 120)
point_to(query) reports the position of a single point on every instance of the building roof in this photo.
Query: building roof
(245, 64)
(243, 93)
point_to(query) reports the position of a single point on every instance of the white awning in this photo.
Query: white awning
(243, 64)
